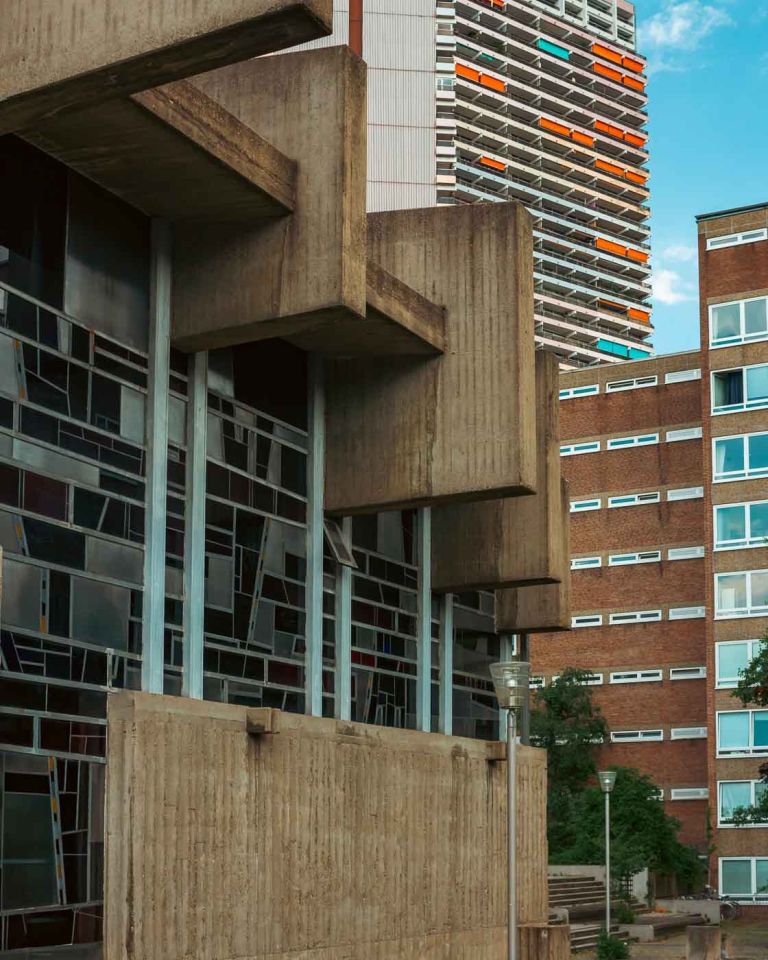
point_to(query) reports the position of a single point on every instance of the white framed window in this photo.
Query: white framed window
(739, 525)
(592, 680)
(743, 388)
(685, 493)
(731, 657)
(633, 499)
(686, 613)
(637, 676)
(536, 683)
(742, 732)
(636, 736)
(741, 457)
(585, 563)
(688, 733)
(733, 794)
(635, 616)
(687, 673)
(681, 376)
(743, 594)
(570, 393)
(740, 321)
(637, 384)
(685, 553)
(625, 559)
(734, 239)
(582, 506)
(587, 620)
(688, 793)
(744, 878)
(688, 433)
(641, 440)
(572, 449)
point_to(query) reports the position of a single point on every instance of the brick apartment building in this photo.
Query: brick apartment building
(667, 460)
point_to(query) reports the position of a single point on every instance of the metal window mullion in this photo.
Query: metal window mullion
(424, 620)
(446, 665)
(343, 688)
(153, 621)
(313, 665)
(194, 540)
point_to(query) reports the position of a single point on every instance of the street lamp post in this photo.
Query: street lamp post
(510, 681)
(607, 779)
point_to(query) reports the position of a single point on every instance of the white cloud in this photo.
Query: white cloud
(679, 252)
(681, 25)
(669, 288)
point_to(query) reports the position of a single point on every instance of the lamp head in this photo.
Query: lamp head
(607, 780)
(510, 681)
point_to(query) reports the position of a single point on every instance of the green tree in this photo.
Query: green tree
(568, 725)
(752, 690)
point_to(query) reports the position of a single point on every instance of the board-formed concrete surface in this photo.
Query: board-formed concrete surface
(61, 55)
(408, 432)
(319, 840)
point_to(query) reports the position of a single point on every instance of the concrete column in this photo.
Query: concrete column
(424, 620)
(343, 700)
(703, 943)
(194, 540)
(313, 668)
(153, 624)
(446, 664)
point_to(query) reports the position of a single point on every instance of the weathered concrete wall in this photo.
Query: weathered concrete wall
(407, 432)
(321, 841)
(234, 283)
(66, 54)
(518, 540)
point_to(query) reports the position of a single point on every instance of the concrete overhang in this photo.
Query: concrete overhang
(61, 55)
(173, 152)
(515, 541)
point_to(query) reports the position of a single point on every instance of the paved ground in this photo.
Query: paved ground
(745, 940)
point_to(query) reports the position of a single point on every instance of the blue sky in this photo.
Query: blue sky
(708, 126)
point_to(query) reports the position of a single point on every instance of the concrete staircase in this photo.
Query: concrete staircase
(584, 899)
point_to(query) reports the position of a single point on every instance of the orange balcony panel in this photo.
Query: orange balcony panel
(554, 127)
(609, 167)
(635, 139)
(606, 53)
(610, 247)
(642, 316)
(494, 164)
(635, 65)
(633, 82)
(607, 72)
(608, 128)
(613, 307)
(636, 177)
(468, 72)
(492, 82)
(582, 138)
(638, 255)
(499, 4)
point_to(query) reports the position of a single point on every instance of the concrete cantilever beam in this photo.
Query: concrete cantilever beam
(61, 55)
(418, 431)
(538, 609)
(517, 541)
(173, 152)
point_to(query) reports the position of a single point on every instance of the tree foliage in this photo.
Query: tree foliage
(567, 723)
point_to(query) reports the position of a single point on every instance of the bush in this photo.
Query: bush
(624, 913)
(611, 948)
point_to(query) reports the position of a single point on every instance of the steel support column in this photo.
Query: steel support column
(343, 699)
(446, 664)
(153, 622)
(424, 620)
(194, 532)
(313, 664)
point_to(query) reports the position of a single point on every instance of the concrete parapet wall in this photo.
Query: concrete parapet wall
(321, 840)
